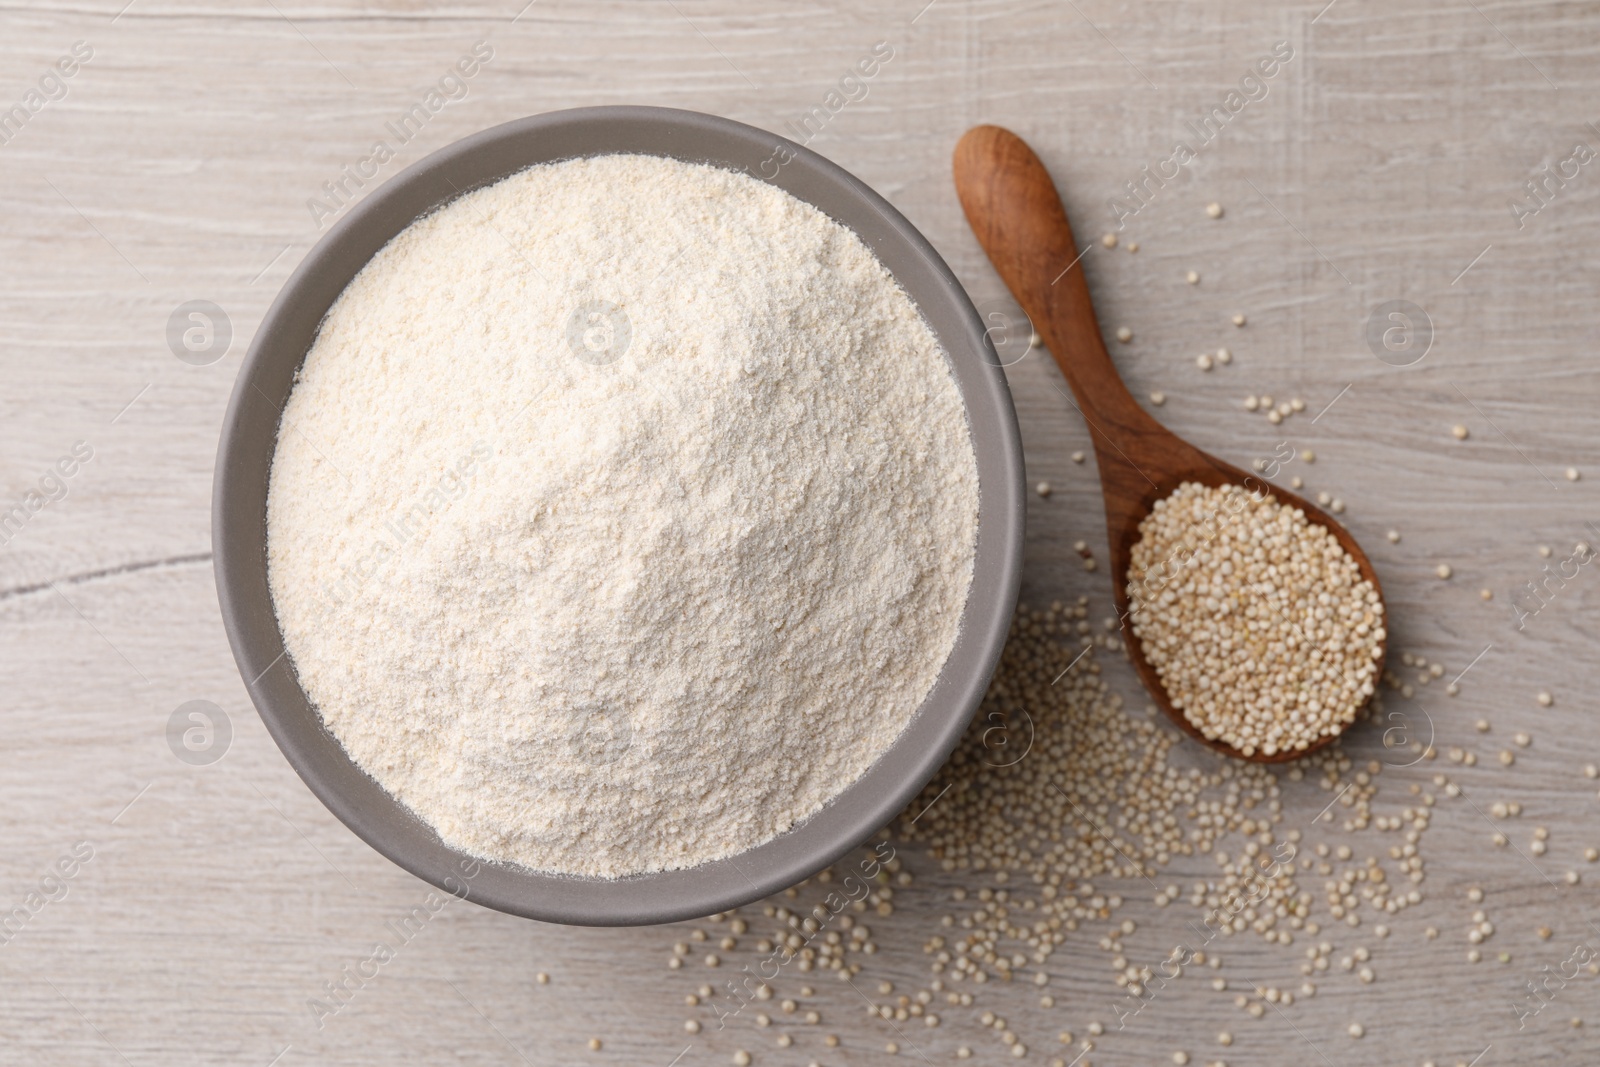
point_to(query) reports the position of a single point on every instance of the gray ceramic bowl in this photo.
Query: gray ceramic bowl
(249, 434)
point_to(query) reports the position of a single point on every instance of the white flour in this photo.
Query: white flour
(622, 515)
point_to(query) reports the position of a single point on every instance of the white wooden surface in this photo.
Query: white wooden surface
(1380, 165)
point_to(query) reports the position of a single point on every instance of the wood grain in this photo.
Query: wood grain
(1378, 166)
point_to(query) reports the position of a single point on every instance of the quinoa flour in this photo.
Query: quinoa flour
(622, 514)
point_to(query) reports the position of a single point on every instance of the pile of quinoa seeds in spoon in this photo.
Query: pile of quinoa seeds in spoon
(1257, 621)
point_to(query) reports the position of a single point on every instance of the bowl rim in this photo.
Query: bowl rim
(248, 442)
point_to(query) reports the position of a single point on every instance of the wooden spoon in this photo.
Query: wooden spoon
(1017, 216)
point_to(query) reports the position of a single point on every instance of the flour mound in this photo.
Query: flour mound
(622, 514)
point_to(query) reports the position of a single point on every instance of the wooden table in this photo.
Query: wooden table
(1380, 163)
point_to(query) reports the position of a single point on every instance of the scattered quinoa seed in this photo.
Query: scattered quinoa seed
(1238, 320)
(1109, 240)
(1124, 334)
(1192, 278)
(1442, 570)
(1459, 432)
(1213, 210)
(1043, 488)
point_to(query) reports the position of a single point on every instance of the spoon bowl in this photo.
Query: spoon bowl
(1018, 218)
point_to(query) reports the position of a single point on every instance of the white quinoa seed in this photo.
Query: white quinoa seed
(1192, 278)
(1459, 432)
(1261, 663)
(1124, 334)
(1213, 210)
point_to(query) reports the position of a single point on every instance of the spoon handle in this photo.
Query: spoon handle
(1017, 215)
